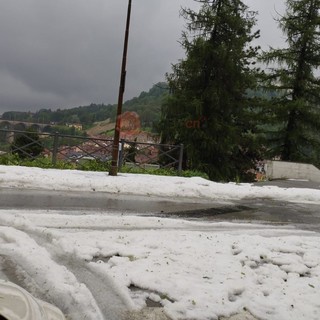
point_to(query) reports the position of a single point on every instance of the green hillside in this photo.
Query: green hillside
(147, 105)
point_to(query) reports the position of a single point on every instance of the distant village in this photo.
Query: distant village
(136, 144)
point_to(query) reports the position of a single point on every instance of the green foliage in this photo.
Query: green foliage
(9, 160)
(209, 110)
(194, 173)
(147, 105)
(41, 162)
(46, 163)
(93, 165)
(164, 172)
(294, 113)
(27, 144)
(85, 114)
(72, 131)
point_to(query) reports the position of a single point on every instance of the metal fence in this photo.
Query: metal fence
(79, 151)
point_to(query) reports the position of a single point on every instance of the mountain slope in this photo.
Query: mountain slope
(147, 105)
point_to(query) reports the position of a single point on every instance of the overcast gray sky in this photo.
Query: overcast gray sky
(67, 53)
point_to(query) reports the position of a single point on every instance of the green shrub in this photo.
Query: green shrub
(27, 144)
(9, 160)
(164, 172)
(93, 165)
(194, 173)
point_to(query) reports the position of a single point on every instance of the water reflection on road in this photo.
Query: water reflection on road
(301, 215)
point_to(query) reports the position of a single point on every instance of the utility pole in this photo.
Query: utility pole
(116, 139)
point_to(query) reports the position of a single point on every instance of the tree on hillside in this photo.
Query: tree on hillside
(209, 110)
(295, 111)
(27, 144)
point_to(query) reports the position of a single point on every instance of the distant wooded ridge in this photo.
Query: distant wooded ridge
(147, 105)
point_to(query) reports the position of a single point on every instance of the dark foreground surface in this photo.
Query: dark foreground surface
(301, 215)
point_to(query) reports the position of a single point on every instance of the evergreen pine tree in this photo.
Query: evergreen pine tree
(209, 110)
(294, 112)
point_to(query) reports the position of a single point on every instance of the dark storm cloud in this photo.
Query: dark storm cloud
(67, 53)
(63, 51)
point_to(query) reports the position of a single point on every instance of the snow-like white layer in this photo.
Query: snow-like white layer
(82, 262)
(195, 270)
(146, 185)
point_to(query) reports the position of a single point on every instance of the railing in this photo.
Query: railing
(55, 148)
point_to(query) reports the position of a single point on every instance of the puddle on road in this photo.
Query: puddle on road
(230, 212)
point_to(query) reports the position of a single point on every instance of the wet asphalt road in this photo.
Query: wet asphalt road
(302, 216)
(258, 210)
(66, 200)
